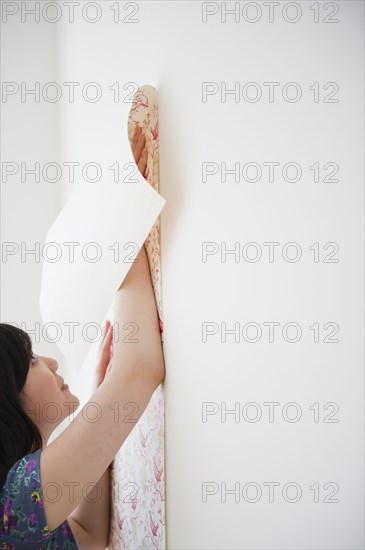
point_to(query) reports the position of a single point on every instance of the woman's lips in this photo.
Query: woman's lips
(64, 387)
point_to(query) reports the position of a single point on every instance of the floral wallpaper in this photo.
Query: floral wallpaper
(138, 471)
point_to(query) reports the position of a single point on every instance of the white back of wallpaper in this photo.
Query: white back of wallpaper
(284, 470)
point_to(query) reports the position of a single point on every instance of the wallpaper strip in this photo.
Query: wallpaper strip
(138, 471)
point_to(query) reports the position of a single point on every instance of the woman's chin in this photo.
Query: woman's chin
(67, 393)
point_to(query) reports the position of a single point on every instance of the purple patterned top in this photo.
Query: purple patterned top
(22, 518)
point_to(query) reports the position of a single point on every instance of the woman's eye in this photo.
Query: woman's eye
(33, 358)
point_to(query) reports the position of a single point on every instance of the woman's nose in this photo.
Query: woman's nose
(52, 363)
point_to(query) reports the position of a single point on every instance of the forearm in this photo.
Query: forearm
(137, 338)
(139, 272)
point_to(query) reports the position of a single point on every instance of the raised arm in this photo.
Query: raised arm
(83, 451)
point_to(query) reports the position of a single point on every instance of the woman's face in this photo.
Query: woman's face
(44, 400)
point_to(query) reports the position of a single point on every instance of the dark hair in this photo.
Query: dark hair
(19, 435)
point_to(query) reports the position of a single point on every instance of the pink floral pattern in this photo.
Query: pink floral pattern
(138, 471)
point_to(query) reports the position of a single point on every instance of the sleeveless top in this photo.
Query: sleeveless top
(22, 519)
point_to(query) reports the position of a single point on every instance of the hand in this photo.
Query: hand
(104, 355)
(139, 150)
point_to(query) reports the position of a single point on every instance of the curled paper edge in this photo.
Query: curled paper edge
(82, 294)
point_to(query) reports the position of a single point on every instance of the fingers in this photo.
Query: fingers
(138, 148)
(105, 351)
(143, 162)
(136, 135)
(108, 339)
(105, 332)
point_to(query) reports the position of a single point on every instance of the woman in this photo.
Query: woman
(32, 395)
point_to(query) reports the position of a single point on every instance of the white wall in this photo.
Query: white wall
(171, 49)
(30, 135)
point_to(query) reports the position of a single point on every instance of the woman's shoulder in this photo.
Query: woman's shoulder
(22, 517)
